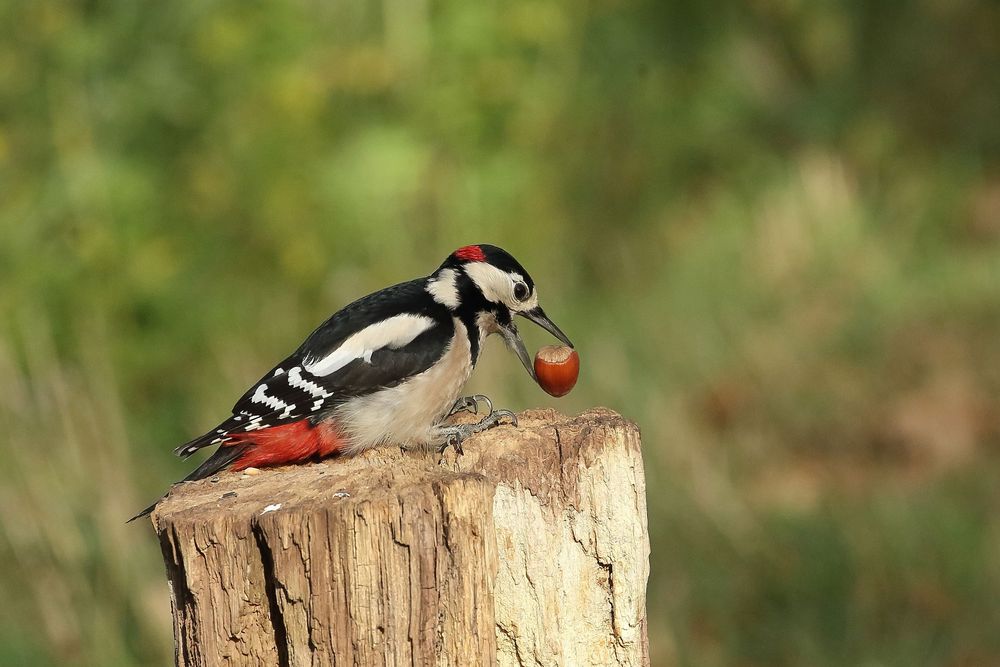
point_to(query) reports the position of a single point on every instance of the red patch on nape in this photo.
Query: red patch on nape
(288, 443)
(470, 253)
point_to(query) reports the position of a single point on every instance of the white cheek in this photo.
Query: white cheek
(491, 281)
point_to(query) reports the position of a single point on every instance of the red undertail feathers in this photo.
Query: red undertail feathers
(287, 443)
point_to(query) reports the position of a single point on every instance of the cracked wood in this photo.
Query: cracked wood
(531, 549)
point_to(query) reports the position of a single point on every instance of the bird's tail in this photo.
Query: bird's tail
(222, 457)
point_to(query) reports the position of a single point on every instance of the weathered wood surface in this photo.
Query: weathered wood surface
(531, 549)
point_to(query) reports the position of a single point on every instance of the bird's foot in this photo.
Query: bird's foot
(455, 435)
(470, 404)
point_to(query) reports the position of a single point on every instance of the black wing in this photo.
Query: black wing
(290, 392)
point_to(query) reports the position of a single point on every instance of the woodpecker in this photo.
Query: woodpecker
(386, 369)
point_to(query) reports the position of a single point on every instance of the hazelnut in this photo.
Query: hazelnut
(557, 368)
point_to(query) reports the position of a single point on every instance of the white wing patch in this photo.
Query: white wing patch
(395, 332)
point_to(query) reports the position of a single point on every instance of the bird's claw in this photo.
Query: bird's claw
(464, 404)
(455, 435)
(500, 414)
(470, 404)
(454, 440)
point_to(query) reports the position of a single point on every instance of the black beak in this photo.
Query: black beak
(516, 345)
(538, 316)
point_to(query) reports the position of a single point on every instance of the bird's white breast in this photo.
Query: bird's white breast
(406, 414)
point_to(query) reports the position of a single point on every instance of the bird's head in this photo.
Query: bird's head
(487, 287)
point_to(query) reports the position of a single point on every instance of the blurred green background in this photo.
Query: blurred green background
(772, 228)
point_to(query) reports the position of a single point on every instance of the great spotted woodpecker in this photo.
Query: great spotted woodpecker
(387, 368)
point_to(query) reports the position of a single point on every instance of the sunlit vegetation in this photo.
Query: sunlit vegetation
(772, 228)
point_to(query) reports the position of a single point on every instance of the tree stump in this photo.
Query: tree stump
(531, 549)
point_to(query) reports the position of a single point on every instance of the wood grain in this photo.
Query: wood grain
(531, 549)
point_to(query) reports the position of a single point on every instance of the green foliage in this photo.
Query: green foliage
(773, 229)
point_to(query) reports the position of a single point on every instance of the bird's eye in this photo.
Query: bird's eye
(520, 291)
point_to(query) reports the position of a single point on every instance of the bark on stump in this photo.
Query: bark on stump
(531, 549)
